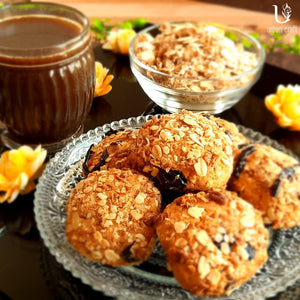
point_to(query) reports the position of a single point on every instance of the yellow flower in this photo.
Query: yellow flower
(102, 86)
(118, 40)
(285, 106)
(18, 170)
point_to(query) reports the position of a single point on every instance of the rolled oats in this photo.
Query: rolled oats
(201, 167)
(197, 51)
(157, 152)
(203, 267)
(179, 226)
(111, 255)
(195, 211)
(214, 276)
(202, 237)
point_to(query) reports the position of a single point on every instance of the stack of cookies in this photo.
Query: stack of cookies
(213, 230)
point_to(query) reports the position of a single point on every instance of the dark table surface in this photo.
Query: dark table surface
(27, 269)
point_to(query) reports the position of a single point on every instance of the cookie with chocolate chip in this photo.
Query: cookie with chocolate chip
(214, 241)
(110, 217)
(111, 152)
(232, 132)
(270, 180)
(184, 151)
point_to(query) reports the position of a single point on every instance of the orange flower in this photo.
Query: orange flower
(118, 40)
(285, 106)
(18, 170)
(103, 80)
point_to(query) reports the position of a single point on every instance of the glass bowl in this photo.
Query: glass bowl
(175, 93)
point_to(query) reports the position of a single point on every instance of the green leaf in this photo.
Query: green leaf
(139, 22)
(296, 40)
(231, 36)
(134, 23)
(255, 35)
(277, 42)
(276, 35)
(98, 24)
(278, 45)
(247, 44)
(127, 25)
(265, 46)
(101, 29)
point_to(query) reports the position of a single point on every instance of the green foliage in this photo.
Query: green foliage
(295, 45)
(134, 23)
(276, 42)
(233, 36)
(102, 28)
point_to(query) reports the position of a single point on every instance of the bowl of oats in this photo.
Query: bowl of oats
(195, 66)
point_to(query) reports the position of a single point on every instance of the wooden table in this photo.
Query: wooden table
(166, 10)
(158, 11)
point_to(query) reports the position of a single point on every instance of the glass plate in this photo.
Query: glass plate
(150, 280)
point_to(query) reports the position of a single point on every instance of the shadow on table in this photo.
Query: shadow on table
(62, 285)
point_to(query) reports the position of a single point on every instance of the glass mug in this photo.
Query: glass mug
(47, 70)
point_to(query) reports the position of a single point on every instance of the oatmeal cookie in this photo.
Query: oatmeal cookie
(231, 130)
(110, 217)
(111, 152)
(213, 241)
(270, 180)
(184, 151)
(233, 133)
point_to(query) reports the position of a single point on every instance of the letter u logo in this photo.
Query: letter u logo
(286, 13)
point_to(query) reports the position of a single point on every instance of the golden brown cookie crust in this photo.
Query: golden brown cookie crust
(214, 241)
(110, 216)
(233, 133)
(188, 143)
(111, 152)
(256, 183)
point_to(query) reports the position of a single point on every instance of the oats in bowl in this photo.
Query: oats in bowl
(195, 66)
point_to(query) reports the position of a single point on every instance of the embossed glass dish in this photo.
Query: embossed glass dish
(150, 280)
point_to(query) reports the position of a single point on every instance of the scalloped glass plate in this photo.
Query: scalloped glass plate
(150, 280)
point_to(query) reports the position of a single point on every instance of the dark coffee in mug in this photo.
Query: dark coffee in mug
(46, 72)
